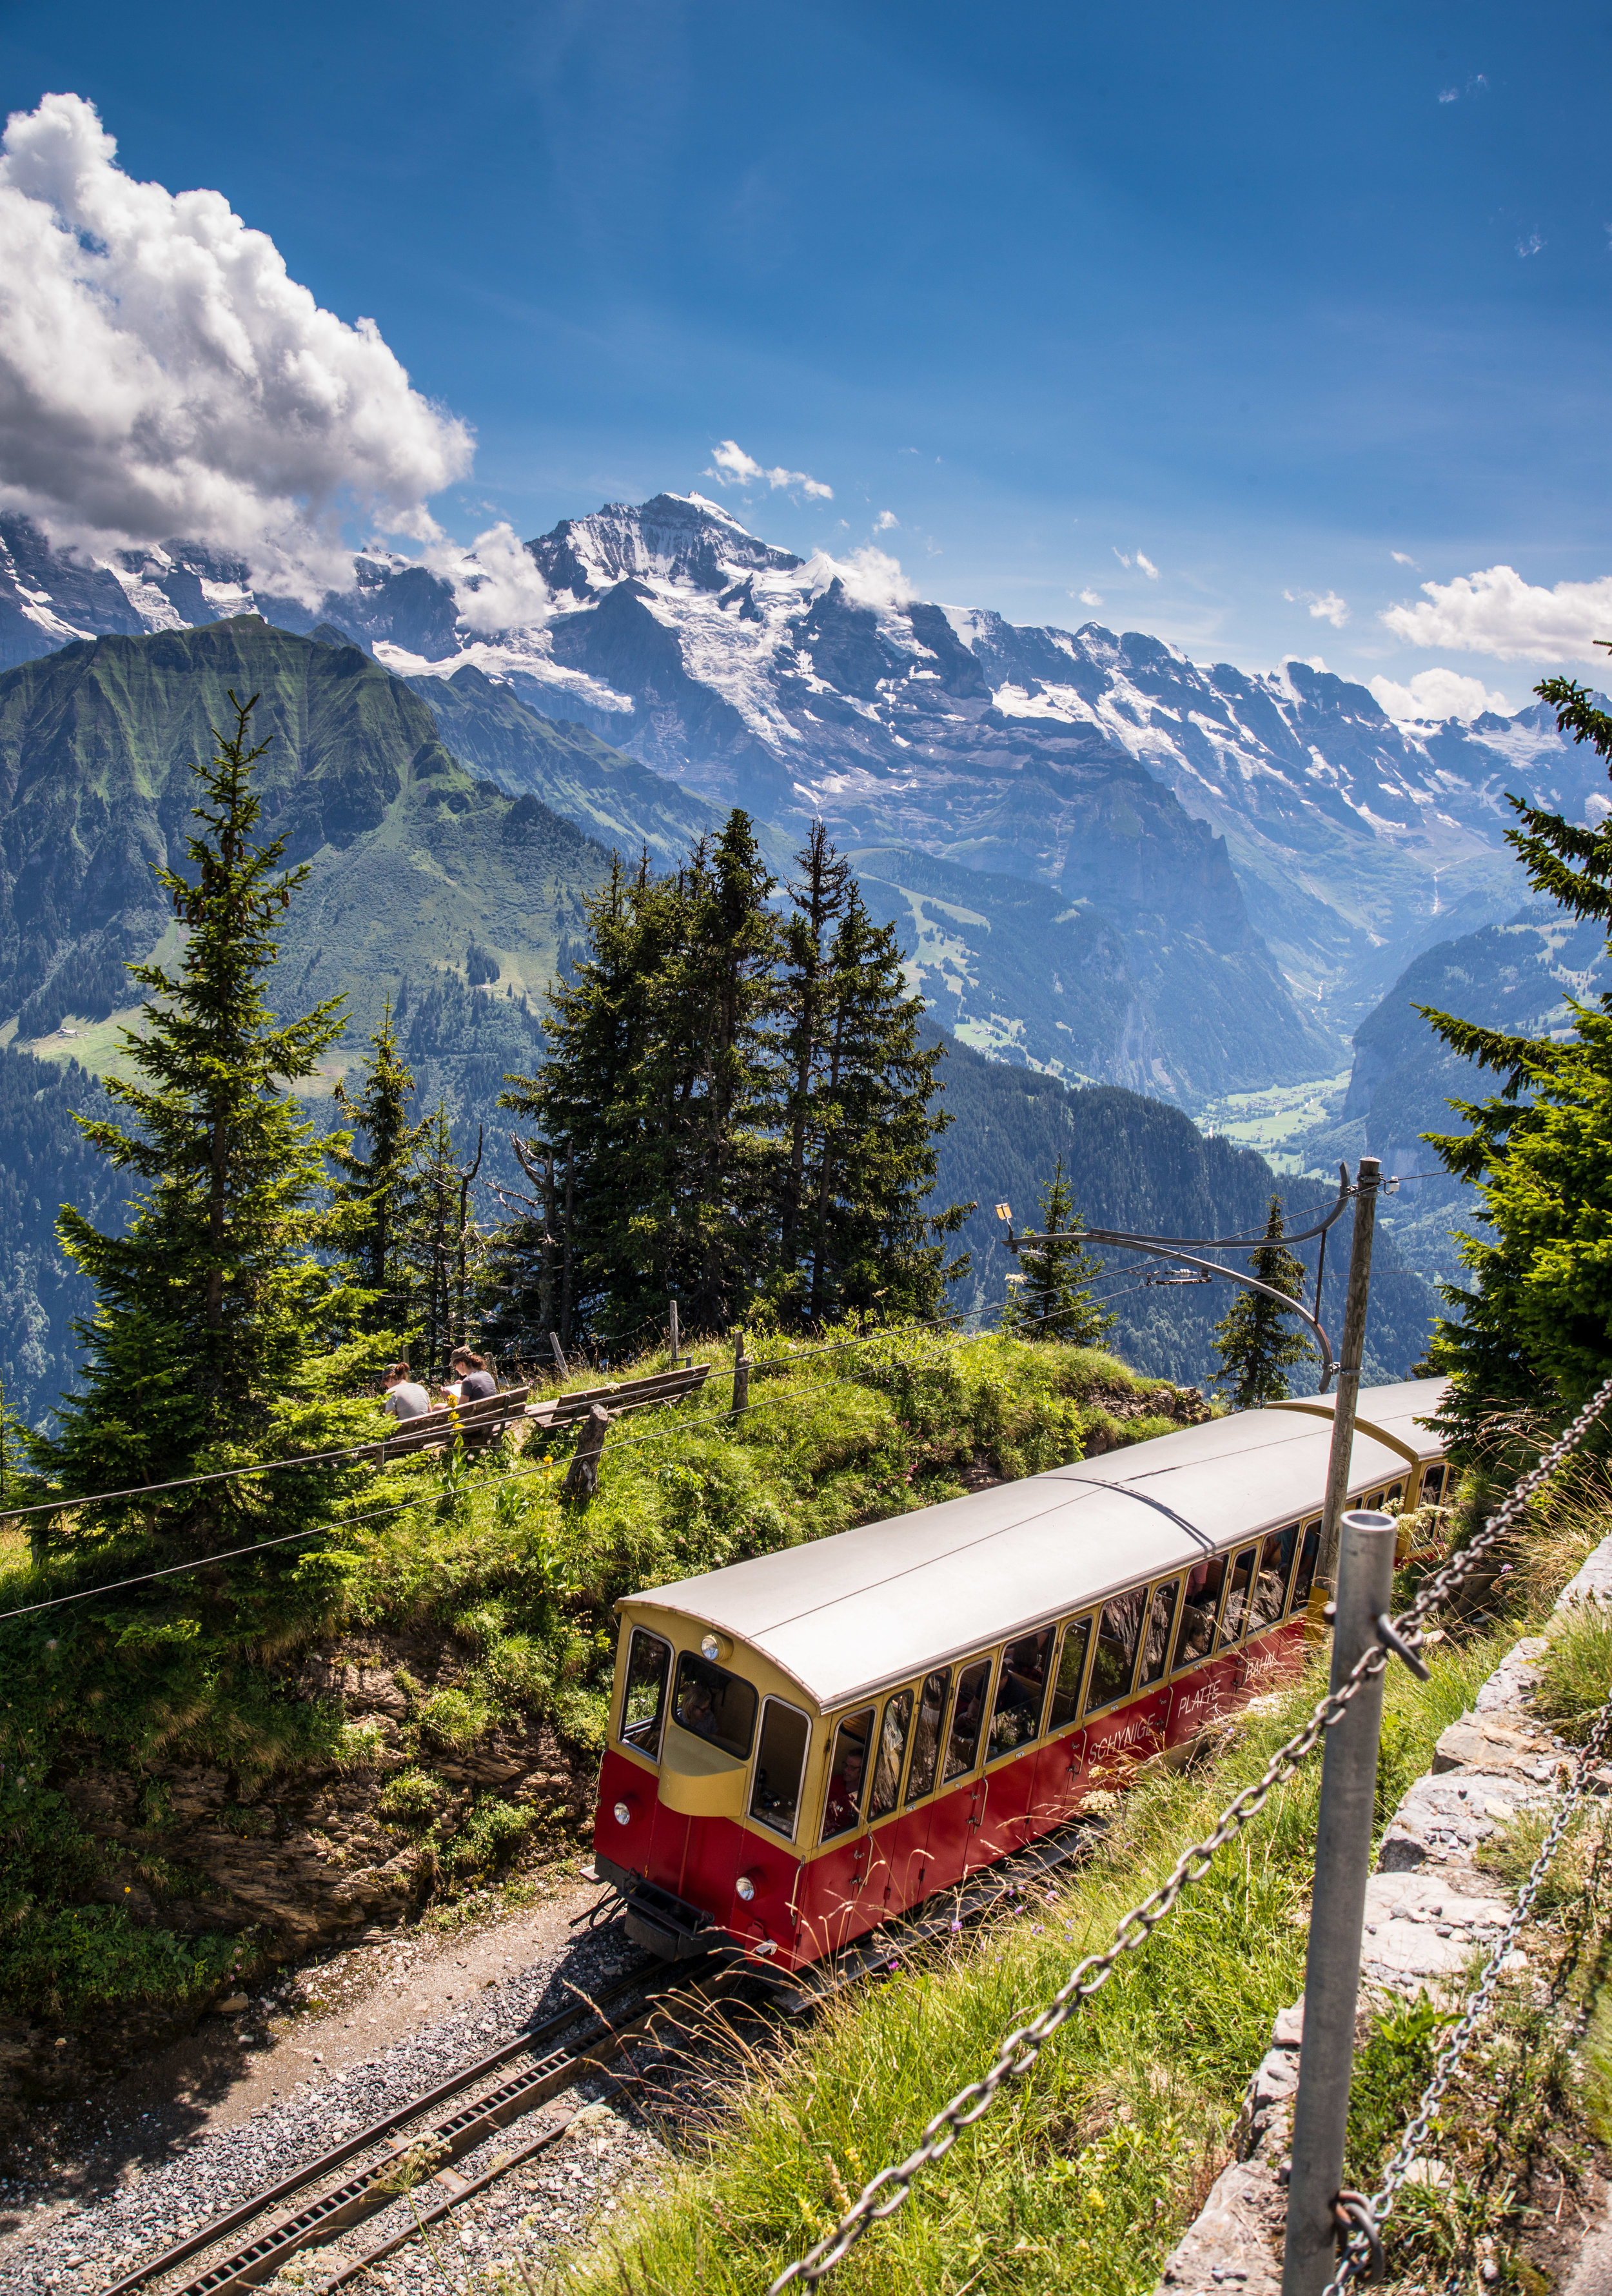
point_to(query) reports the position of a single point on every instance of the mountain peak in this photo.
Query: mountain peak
(671, 537)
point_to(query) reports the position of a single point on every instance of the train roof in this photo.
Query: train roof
(880, 1603)
(1400, 1411)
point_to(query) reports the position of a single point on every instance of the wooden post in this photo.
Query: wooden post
(582, 1477)
(741, 1377)
(562, 1368)
(676, 1342)
(1351, 1350)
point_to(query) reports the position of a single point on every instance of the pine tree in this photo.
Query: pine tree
(1534, 1324)
(439, 1244)
(1255, 1337)
(217, 1332)
(379, 1187)
(1055, 1300)
(865, 1242)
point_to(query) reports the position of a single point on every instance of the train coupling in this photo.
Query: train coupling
(658, 1921)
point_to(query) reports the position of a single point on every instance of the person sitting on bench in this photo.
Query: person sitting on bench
(405, 1397)
(475, 1380)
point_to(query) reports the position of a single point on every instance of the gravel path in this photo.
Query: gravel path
(124, 2176)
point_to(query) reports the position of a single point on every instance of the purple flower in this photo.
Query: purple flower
(956, 1929)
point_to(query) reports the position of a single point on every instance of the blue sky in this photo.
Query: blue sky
(1266, 295)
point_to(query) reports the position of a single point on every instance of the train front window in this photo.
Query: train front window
(714, 1704)
(1234, 1619)
(847, 1775)
(1117, 1636)
(1071, 1672)
(1195, 1636)
(775, 1797)
(926, 1737)
(1303, 1578)
(1020, 1693)
(1161, 1617)
(644, 1697)
(1271, 1578)
(893, 1745)
(967, 1716)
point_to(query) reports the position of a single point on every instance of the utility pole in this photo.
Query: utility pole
(741, 1377)
(676, 1341)
(1351, 1349)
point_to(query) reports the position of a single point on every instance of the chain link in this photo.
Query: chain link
(1478, 2001)
(1018, 2051)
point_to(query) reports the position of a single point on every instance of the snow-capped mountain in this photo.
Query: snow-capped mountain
(1134, 826)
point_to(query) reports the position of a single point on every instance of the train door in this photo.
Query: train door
(959, 1808)
(887, 1874)
(1115, 1739)
(1060, 1765)
(837, 1877)
(1007, 1820)
(1202, 1683)
(907, 1852)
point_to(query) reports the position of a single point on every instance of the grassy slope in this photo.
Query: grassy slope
(1085, 2173)
(206, 1671)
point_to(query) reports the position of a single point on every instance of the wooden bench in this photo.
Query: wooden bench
(474, 1424)
(557, 1411)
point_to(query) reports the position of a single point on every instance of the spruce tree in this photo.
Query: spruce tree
(1055, 1300)
(380, 1186)
(1534, 1324)
(441, 1246)
(217, 1337)
(1255, 1337)
(865, 1242)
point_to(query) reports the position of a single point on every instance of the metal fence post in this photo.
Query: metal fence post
(1342, 1859)
(1351, 1349)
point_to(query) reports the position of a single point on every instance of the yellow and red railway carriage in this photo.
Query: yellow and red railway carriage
(812, 1742)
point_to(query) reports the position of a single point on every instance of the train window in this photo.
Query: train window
(1303, 1578)
(1271, 1578)
(967, 1714)
(643, 1699)
(1393, 1497)
(1117, 1636)
(926, 1737)
(1194, 1638)
(1433, 1485)
(893, 1745)
(775, 1797)
(715, 1704)
(1161, 1617)
(1072, 1668)
(1020, 1693)
(1234, 1618)
(847, 1774)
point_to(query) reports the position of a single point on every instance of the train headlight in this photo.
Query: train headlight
(623, 1813)
(746, 1887)
(715, 1647)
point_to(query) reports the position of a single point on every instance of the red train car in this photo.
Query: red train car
(811, 1743)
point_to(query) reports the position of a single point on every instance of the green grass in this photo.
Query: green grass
(1576, 1678)
(513, 1584)
(1084, 2174)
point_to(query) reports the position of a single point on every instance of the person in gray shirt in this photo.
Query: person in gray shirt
(405, 1397)
(476, 1382)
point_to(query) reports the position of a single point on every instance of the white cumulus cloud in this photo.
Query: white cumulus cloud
(1401, 558)
(497, 584)
(1437, 693)
(1497, 612)
(1091, 597)
(871, 576)
(1322, 606)
(1147, 566)
(161, 373)
(731, 466)
(885, 520)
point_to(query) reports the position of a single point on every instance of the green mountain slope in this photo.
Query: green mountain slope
(613, 798)
(1141, 1164)
(412, 858)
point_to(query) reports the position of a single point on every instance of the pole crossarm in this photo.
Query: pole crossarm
(1167, 1248)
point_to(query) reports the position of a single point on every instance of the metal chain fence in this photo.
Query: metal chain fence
(887, 2191)
(1358, 2257)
